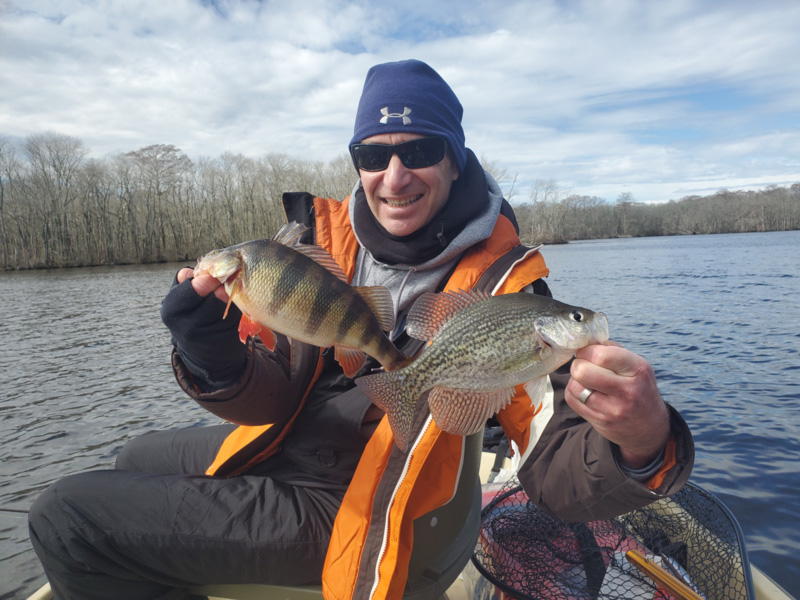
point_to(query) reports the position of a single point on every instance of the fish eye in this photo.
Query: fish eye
(576, 316)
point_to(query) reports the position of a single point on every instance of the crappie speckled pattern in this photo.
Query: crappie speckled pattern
(482, 347)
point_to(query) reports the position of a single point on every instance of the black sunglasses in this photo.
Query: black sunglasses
(416, 154)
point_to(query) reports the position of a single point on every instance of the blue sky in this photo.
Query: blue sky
(657, 99)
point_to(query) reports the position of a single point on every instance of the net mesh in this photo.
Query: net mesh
(524, 553)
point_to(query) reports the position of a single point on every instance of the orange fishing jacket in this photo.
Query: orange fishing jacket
(371, 541)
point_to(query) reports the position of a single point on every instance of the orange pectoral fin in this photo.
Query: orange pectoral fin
(248, 328)
(268, 337)
(351, 359)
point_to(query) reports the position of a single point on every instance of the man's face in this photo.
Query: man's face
(404, 200)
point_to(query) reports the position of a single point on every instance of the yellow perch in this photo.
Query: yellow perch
(299, 291)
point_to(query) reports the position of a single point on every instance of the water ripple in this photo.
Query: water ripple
(717, 316)
(85, 367)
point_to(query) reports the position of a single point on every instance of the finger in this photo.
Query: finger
(220, 293)
(582, 393)
(586, 373)
(612, 357)
(205, 284)
(184, 274)
(584, 400)
(615, 373)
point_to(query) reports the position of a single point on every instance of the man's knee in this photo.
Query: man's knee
(74, 529)
(151, 452)
(40, 523)
(131, 452)
(51, 517)
(186, 451)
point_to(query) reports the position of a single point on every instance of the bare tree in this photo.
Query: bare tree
(9, 174)
(336, 178)
(501, 175)
(624, 204)
(53, 163)
(154, 204)
(547, 213)
(161, 169)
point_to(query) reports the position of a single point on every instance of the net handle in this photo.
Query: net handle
(661, 577)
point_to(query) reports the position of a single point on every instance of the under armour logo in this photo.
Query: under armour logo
(403, 115)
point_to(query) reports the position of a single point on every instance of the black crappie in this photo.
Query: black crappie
(482, 347)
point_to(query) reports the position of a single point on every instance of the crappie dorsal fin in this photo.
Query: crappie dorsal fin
(289, 235)
(431, 311)
(464, 412)
(380, 301)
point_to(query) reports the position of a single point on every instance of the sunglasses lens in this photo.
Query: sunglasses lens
(416, 154)
(421, 153)
(371, 157)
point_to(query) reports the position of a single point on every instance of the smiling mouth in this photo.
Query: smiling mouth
(400, 203)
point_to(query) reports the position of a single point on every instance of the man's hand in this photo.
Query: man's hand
(204, 284)
(625, 406)
(208, 343)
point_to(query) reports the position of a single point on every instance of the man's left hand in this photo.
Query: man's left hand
(625, 406)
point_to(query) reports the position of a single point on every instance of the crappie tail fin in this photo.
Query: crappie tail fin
(386, 391)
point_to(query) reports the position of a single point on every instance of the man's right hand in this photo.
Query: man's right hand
(208, 344)
(204, 284)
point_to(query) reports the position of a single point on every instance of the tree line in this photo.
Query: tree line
(551, 216)
(59, 208)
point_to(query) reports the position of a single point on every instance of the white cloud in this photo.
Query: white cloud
(600, 96)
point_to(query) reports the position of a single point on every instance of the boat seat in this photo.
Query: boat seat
(444, 540)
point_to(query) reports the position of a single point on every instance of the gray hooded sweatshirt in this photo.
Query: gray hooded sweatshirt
(407, 282)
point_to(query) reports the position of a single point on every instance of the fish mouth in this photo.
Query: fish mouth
(220, 267)
(599, 328)
(228, 278)
(555, 334)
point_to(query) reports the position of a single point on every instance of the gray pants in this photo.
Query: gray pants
(155, 524)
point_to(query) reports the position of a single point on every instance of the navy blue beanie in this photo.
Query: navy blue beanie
(409, 96)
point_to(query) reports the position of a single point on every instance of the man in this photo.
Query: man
(310, 486)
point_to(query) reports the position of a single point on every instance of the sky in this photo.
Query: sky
(659, 100)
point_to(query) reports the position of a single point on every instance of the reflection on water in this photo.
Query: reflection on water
(84, 362)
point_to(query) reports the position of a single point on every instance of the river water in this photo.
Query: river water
(84, 367)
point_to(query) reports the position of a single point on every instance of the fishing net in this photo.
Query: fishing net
(523, 553)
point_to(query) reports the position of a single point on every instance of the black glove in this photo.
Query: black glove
(208, 344)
